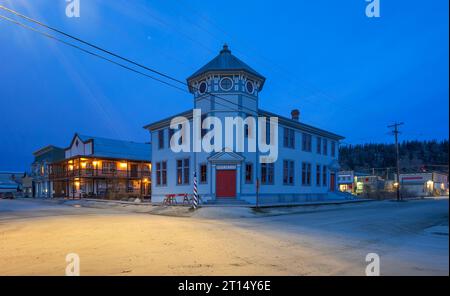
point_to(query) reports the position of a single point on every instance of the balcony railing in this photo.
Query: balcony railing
(85, 173)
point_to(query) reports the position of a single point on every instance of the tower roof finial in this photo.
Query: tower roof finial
(225, 49)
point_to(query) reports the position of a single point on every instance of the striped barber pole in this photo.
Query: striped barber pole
(195, 195)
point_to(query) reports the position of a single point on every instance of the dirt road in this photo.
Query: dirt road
(411, 238)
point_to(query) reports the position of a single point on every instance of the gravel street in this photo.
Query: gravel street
(411, 238)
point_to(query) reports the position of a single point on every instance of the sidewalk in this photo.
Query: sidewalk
(205, 205)
(314, 203)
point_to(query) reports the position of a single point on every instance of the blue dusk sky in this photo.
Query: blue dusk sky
(346, 73)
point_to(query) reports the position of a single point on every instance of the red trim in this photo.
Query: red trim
(412, 178)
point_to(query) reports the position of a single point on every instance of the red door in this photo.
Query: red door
(226, 183)
(332, 182)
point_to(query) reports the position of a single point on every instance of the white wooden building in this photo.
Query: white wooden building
(307, 163)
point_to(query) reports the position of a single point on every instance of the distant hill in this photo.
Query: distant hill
(414, 156)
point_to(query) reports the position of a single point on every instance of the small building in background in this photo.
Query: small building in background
(424, 184)
(11, 182)
(347, 180)
(97, 167)
(369, 184)
(40, 168)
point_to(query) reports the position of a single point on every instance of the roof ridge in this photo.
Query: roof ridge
(109, 139)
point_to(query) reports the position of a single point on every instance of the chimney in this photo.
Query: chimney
(295, 115)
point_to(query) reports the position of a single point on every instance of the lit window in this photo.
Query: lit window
(161, 173)
(183, 171)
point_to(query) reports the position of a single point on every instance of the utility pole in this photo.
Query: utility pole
(396, 132)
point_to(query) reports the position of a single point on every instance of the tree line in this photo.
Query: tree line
(414, 156)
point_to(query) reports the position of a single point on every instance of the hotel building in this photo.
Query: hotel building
(102, 168)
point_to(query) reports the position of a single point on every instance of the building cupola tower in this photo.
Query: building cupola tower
(226, 84)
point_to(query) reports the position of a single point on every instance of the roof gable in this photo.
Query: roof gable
(226, 157)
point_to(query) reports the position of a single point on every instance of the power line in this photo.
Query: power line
(101, 57)
(91, 45)
(87, 51)
(287, 74)
(114, 55)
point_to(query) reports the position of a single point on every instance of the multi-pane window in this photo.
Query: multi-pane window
(324, 175)
(306, 173)
(183, 171)
(267, 173)
(333, 149)
(161, 139)
(319, 145)
(318, 173)
(289, 138)
(203, 173)
(306, 142)
(325, 146)
(161, 173)
(288, 172)
(249, 172)
(108, 166)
